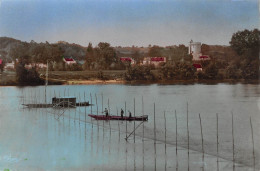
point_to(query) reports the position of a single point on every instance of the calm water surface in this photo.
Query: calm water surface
(67, 139)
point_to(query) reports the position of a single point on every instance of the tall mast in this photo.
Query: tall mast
(46, 80)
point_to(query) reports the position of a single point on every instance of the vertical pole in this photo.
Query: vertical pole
(202, 141)
(252, 133)
(85, 108)
(217, 145)
(143, 114)
(125, 123)
(154, 125)
(165, 140)
(176, 132)
(188, 136)
(118, 124)
(233, 143)
(79, 107)
(134, 120)
(102, 101)
(109, 119)
(154, 140)
(91, 110)
(46, 82)
(97, 108)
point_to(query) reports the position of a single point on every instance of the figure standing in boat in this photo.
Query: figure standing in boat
(122, 113)
(106, 112)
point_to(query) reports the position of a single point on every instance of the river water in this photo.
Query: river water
(67, 139)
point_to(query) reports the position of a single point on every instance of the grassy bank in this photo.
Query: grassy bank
(8, 78)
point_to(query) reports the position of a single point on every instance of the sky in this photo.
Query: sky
(127, 22)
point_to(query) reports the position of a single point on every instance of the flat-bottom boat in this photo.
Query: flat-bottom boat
(126, 118)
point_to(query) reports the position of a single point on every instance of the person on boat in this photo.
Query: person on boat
(106, 112)
(130, 114)
(122, 113)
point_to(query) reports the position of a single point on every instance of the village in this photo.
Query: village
(194, 50)
(26, 63)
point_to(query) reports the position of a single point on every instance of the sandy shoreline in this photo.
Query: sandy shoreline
(91, 82)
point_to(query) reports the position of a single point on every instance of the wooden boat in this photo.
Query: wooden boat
(127, 118)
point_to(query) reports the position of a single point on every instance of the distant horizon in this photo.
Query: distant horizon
(127, 22)
(94, 45)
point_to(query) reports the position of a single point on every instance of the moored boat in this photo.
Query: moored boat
(127, 118)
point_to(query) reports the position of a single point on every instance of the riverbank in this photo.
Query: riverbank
(108, 77)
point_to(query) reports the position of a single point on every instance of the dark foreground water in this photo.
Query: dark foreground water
(67, 139)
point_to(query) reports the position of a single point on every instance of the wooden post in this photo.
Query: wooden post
(125, 123)
(202, 141)
(85, 108)
(143, 115)
(102, 108)
(91, 104)
(188, 136)
(217, 145)
(233, 142)
(134, 120)
(165, 128)
(118, 124)
(79, 107)
(109, 119)
(97, 109)
(252, 133)
(154, 125)
(176, 132)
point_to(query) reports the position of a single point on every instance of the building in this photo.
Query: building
(198, 67)
(9, 65)
(69, 60)
(204, 57)
(128, 59)
(195, 50)
(154, 61)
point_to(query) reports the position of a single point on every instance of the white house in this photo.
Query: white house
(69, 60)
(128, 59)
(154, 61)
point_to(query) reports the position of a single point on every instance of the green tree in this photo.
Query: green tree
(155, 51)
(105, 54)
(246, 43)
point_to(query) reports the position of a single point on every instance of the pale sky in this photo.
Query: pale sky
(127, 22)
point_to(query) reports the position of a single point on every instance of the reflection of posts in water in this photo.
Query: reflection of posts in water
(252, 134)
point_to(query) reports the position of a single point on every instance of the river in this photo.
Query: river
(67, 139)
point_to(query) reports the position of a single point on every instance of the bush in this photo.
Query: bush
(139, 73)
(27, 77)
(180, 70)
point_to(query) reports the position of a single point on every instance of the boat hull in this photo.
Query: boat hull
(124, 118)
